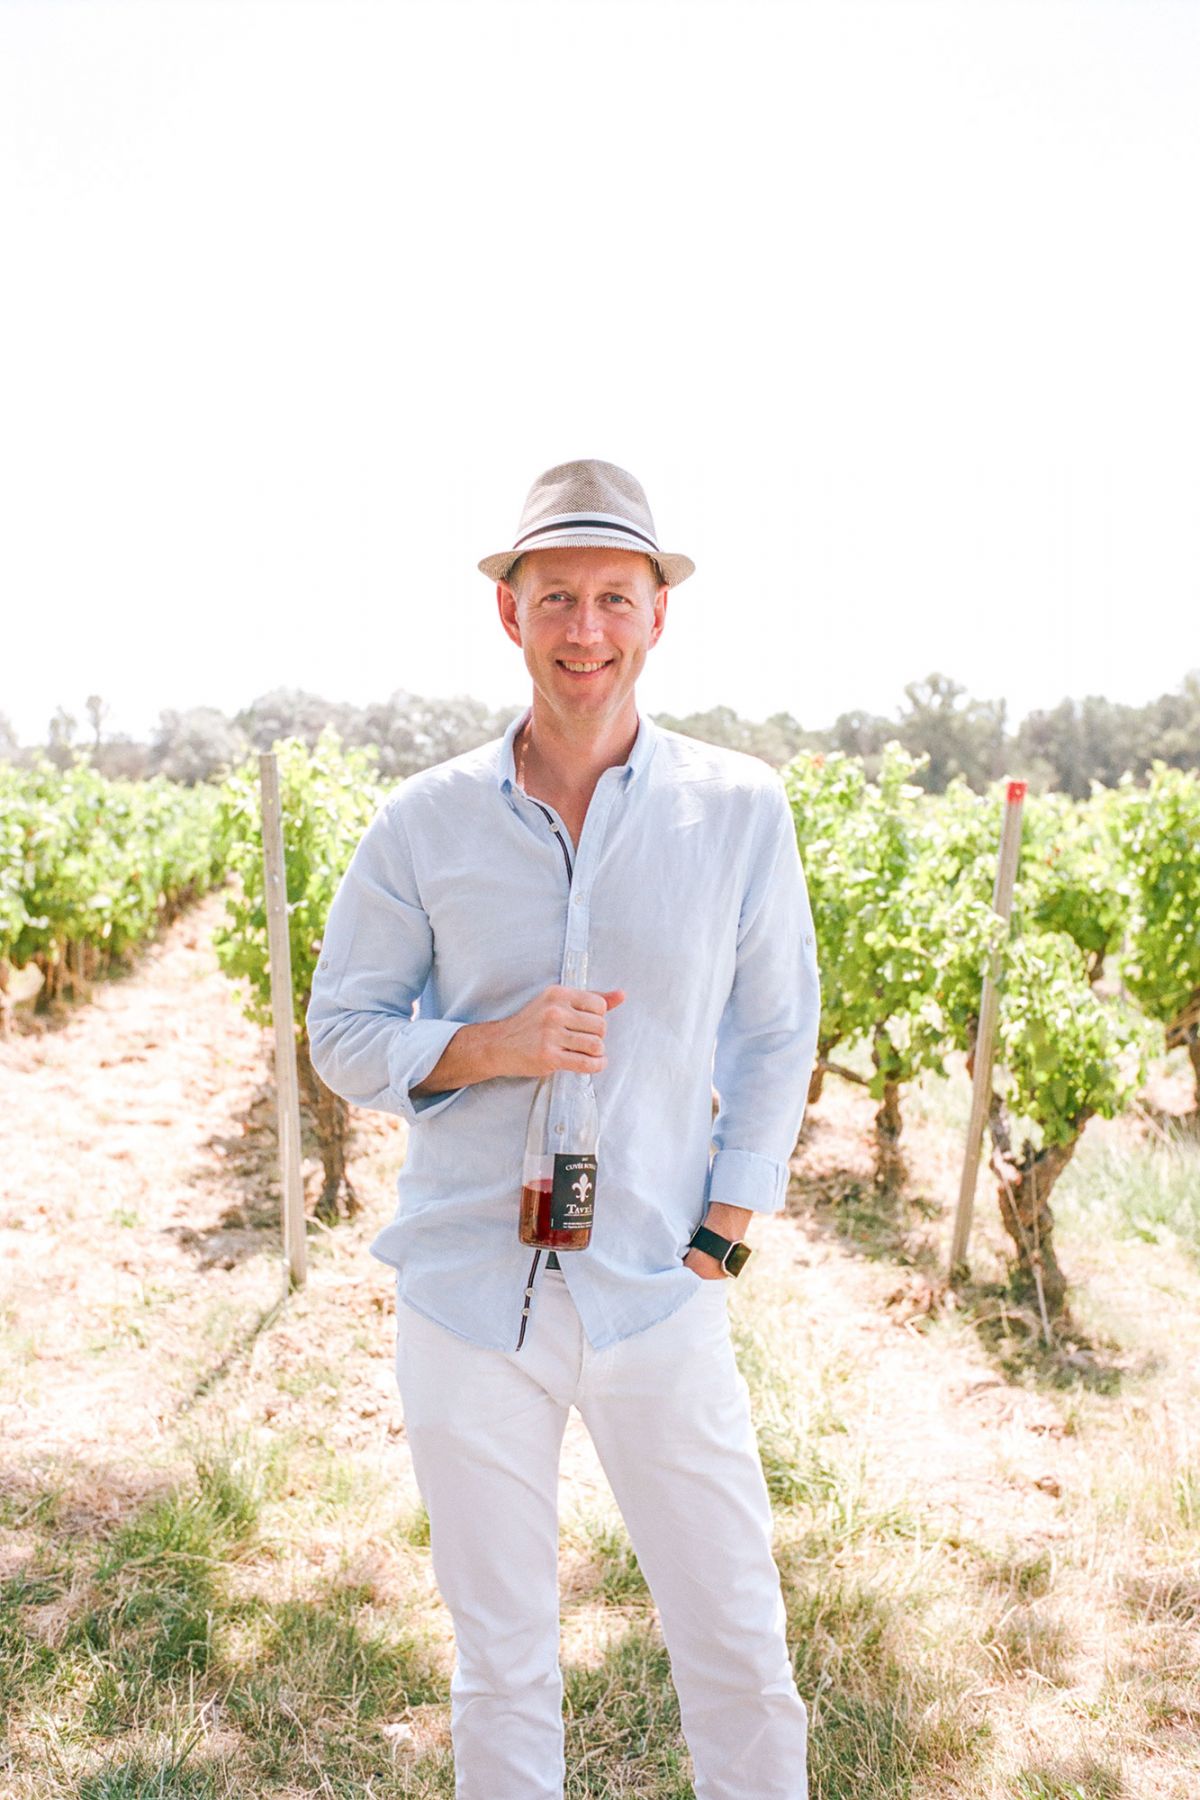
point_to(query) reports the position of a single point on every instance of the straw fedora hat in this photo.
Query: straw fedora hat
(584, 504)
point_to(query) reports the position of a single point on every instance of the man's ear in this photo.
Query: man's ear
(506, 605)
(660, 615)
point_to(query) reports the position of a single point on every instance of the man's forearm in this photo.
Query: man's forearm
(470, 1056)
(728, 1221)
(560, 1028)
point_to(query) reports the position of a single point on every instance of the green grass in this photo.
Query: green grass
(1091, 1781)
(790, 1421)
(1148, 1190)
(157, 1585)
(139, 1777)
(161, 1623)
(413, 1528)
(622, 1718)
(606, 1570)
(321, 1379)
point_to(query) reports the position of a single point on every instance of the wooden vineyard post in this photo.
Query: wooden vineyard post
(287, 1090)
(1006, 875)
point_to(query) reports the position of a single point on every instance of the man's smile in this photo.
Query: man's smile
(582, 668)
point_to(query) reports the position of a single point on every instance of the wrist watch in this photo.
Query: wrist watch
(732, 1257)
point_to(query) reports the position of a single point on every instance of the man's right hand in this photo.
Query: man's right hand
(560, 1028)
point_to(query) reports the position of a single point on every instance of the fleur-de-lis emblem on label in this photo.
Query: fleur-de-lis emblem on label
(581, 1188)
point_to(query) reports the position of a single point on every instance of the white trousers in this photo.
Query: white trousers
(669, 1413)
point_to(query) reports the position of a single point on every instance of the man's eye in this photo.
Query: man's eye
(621, 599)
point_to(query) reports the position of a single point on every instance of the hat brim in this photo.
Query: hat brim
(675, 568)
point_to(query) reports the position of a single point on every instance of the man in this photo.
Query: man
(674, 866)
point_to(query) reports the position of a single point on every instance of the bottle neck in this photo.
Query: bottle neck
(575, 970)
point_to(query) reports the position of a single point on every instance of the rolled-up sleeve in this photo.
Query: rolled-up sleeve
(767, 1037)
(376, 957)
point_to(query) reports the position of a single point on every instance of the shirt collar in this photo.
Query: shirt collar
(643, 749)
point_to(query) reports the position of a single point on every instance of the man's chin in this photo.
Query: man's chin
(597, 701)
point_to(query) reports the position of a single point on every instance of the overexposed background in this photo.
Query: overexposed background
(892, 308)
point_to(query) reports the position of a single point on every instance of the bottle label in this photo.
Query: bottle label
(573, 1196)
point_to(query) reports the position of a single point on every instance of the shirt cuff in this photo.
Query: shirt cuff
(743, 1178)
(412, 1053)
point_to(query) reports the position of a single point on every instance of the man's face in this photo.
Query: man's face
(586, 619)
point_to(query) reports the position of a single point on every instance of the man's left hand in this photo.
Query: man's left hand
(704, 1265)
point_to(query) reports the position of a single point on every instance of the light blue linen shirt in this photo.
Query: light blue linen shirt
(460, 904)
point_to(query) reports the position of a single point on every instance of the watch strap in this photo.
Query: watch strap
(731, 1256)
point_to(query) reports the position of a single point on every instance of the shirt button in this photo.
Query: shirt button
(558, 1130)
(579, 899)
(324, 962)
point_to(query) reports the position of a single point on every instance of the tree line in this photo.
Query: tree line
(1063, 749)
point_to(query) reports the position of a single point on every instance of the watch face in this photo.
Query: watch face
(737, 1259)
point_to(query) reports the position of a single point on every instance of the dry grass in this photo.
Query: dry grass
(214, 1567)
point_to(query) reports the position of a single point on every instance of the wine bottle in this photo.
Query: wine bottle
(558, 1188)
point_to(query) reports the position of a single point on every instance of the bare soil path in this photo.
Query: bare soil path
(138, 1219)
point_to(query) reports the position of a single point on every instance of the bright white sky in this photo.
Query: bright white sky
(893, 309)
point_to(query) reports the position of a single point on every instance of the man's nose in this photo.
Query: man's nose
(585, 625)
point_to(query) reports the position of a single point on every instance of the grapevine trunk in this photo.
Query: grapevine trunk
(889, 1159)
(817, 1078)
(1024, 1187)
(331, 1119)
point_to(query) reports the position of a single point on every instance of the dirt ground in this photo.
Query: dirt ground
(137, 1229)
